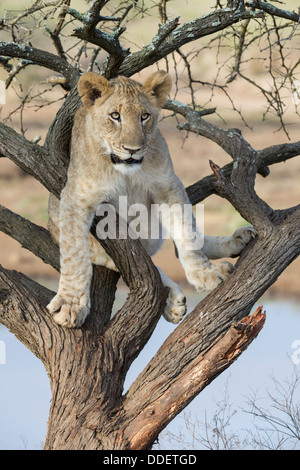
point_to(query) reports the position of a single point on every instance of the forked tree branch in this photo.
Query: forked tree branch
(231, 140)
(234, 144)
(251, 208)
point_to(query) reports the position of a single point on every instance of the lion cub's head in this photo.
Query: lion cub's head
(123, 114)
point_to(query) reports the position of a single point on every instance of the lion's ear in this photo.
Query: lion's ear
(158, 85)
(92, 86)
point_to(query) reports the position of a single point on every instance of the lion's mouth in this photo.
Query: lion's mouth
(128, 161)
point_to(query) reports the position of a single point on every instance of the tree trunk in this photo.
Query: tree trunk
(86, 393)
(88, 410)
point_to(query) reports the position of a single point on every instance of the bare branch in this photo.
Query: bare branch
(23, 310)
(232, 142)
(239, 51)
(203, 188)
(15, 70)
(278, 153)
(47, 168)
(243, 199)
(31, 10)
(40, 57)
(273, 11)
(31, 236)
(188, 32)
(93, 14)
(108, 42)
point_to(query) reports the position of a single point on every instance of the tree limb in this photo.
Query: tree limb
(23, 311)
(251, 208)
(188, 32)
(273, 11)
(47, 168)
(58, 137)
(200, 372)
(233, 143)
(131, 327)
(278, 153)
(31, 236)
(108, 42)
(40, 57)
(203, 188)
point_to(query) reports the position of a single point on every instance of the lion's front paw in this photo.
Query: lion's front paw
(210, 277)
(69, 312)
(240, 239)
(175, 307)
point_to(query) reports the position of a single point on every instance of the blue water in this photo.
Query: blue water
(25, 392)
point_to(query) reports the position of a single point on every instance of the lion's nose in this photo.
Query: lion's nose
(131, 150)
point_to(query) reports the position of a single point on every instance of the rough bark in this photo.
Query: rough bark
(47, 168)
(143, 428)
(31, 236)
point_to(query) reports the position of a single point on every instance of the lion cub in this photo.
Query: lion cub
(118, 150)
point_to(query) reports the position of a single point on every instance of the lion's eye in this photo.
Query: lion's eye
(115, 116)
(145, 116)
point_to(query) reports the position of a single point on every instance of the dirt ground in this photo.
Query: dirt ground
(24, 195)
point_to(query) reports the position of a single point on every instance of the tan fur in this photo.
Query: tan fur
(119, 119)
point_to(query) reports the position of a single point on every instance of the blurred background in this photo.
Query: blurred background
(239, 104)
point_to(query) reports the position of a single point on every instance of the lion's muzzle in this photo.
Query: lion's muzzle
(127, 161)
